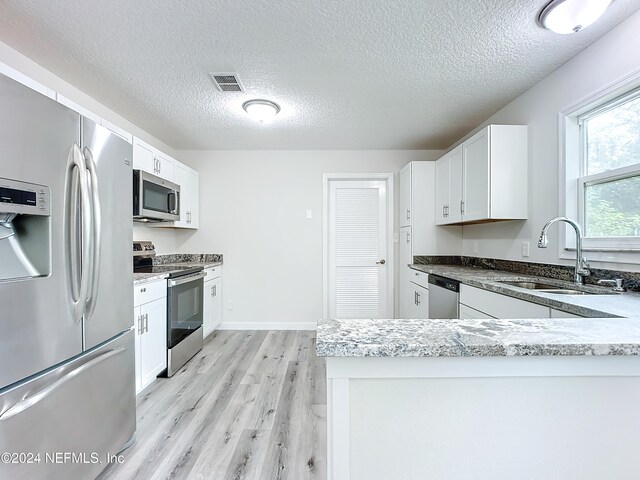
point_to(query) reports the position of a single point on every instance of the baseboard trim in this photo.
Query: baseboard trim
(267, 326)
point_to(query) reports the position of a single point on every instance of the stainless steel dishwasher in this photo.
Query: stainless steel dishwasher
(444, 297)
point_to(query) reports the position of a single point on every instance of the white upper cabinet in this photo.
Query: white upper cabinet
(166, 166)
(485, 178)
(475, 174)
(417, 194)
(449, 187)
(26, 81)
(151, 160)
(143, 156)
(189, 182)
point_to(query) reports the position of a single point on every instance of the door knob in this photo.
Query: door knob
(381, 262)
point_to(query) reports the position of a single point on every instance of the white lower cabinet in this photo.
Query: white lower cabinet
(468, 312)
(560, 314)
(212, 311)
(479, 303)
(420, 302)
(150, 322)
(415, 295)
(500, 306)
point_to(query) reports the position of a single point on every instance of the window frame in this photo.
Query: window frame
(581, 117)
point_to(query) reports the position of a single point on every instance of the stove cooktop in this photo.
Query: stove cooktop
(173, 270)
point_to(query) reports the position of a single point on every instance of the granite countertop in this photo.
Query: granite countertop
(606, 304)
(478, 337)
(140, 278)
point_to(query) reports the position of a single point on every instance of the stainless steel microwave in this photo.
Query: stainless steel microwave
(154, 199)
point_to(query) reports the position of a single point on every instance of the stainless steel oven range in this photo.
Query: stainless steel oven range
(185, 302)
(185, 291)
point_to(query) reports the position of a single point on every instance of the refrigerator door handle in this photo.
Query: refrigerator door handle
(76, 164)
(30, 401)
(96, 231)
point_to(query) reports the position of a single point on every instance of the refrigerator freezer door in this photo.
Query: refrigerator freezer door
(111, 301)
(85, 408)
(37, 329)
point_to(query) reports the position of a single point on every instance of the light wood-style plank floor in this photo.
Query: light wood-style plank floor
(250, 405)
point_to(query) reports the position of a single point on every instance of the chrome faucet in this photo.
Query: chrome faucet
(582, 266)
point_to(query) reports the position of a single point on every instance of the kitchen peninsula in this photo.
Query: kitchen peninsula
(525, 398)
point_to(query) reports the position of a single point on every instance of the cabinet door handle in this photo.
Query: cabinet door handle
(415, 298)
(139, 324)
(215, 290)
(146, 322)
(408, 238)
(408, 214)
(159, 166)
(461, 207)
(418, 298)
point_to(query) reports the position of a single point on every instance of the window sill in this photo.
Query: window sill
(607, 257)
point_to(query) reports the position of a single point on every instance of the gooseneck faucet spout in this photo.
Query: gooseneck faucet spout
(582, 265)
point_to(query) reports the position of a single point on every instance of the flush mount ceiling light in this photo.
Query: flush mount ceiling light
(261, 110)
(571, 16)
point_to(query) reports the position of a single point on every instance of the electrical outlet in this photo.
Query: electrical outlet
(229, 304)
(525, 249)
(475, 248)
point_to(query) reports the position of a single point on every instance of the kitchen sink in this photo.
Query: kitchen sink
(546, 288)
(566, 291)
(530, 285)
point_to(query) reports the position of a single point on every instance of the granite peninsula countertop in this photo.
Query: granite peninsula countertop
(478, 337)
(605, 304)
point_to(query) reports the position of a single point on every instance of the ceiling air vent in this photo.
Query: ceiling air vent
(227, 82)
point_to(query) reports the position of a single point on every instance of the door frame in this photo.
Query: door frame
(327, 178)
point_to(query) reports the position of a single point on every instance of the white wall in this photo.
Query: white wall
(606, 61)
(253, 206)
(165, 240)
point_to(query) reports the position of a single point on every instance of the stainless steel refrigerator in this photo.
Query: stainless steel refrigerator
(67, 380)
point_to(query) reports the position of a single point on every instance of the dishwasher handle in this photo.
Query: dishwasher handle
(444, 282)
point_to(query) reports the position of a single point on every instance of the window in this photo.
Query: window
(609, 178)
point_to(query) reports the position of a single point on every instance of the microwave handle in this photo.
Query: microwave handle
(174, 202)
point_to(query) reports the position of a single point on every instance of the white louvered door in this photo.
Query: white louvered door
(358, 250)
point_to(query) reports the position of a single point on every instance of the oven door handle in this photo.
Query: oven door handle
(186, 279)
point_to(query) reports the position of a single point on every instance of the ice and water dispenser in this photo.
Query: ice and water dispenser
(25, 230)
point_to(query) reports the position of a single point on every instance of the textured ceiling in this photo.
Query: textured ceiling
(361, 74)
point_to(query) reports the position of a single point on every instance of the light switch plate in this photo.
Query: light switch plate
(229, 304)
(475, 248)
(525, 249)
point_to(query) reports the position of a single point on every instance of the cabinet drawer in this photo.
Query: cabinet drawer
(148, 292)
(212, 272)
(500, 306)
(419, 278)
